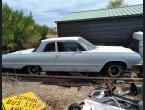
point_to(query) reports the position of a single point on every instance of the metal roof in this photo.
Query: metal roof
(126, 11)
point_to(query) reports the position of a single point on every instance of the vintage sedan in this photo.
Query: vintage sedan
(72, 54)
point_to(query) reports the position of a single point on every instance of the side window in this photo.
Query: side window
(60, 46)
(81, 48)
(69, 47)
(50, 47)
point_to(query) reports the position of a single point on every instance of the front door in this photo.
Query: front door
(71, 56)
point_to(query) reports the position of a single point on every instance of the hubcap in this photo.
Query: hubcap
(33, 70)
(114, 70)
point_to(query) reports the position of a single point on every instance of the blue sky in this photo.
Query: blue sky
(48, 11)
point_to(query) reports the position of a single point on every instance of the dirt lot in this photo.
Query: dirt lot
(57, 97)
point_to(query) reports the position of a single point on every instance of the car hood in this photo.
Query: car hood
(27, 51)
(118, 49)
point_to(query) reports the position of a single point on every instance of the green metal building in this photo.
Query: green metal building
(113, 26)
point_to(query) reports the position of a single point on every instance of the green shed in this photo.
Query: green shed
(113, 26)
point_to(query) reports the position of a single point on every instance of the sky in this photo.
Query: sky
(48, 11)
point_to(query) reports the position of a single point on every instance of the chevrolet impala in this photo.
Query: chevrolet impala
(72, 54)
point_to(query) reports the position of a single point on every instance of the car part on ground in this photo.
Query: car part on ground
(136, 88)
(140, 70)
(122, 98)
(95, 105)
(140, 105)
(101, 99)
(74, 106)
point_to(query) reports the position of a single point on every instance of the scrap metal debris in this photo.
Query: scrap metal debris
(109, 99)
(140, 70)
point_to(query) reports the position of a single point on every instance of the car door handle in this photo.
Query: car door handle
(57, 56)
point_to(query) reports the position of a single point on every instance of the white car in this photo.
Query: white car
(72, 54)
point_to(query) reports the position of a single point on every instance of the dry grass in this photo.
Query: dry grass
(57, 97)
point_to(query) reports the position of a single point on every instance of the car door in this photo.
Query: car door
(71, 56)
(46, 58)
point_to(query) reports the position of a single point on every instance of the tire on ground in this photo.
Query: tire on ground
(74, 106)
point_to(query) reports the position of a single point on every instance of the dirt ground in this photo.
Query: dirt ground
(56, 97)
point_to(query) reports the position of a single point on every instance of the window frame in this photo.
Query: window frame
(47, 44)
(69, 41)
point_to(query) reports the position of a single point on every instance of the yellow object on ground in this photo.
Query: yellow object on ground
(25, 101)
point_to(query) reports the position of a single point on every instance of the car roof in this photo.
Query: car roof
(60, 39)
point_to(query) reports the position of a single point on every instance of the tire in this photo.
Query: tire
(114, 70)
(74, 106)
(140, 75)
(34, 70)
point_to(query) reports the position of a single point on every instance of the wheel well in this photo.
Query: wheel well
(25, 67)
(117, 62)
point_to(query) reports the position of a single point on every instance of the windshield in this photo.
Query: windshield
(87, 44)
(36, 46)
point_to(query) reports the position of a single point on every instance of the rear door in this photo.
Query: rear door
(46, 58)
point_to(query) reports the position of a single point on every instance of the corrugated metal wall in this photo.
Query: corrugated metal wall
(103, 32)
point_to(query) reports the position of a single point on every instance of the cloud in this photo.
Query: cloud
(48, 11)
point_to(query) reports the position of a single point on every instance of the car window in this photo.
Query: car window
(36, 46)
(50, 47)
(69, 46)
(86, 44)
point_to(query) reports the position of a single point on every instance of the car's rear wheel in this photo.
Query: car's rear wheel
(114, 70)
(34, 70)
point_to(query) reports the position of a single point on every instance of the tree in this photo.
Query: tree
(44, 31)
(19, 31)
(7, 33)
(116, 3)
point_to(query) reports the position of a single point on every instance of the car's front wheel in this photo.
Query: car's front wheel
(34, 70)
(114, 70)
